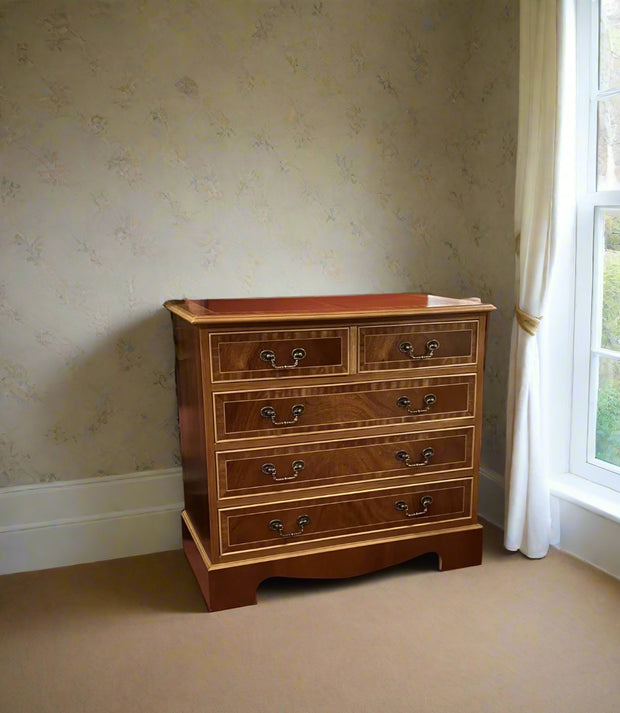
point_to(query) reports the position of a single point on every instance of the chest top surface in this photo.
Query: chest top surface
(282, 309)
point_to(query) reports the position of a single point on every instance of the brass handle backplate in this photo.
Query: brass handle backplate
(425, 502)
(427, 454)
(405, 402)
(268, 355)
(431, 347)
(270, 469)
(278, 526)
(270, 412)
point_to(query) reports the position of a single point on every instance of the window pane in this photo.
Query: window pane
(610, 318)
(608, 148)
(609, 45)
(608, 412)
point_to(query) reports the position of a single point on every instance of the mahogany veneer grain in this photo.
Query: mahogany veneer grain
(344, 461)
(239, 468)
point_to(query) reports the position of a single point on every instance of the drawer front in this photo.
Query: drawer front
(288, 468)
(278, 354)
(397, 510)
(255, 414)
(418, 345)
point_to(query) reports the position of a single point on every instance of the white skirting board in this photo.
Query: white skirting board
(491, 494)
(72, 522)
(585, 517)
(589, 537)
(588, 521)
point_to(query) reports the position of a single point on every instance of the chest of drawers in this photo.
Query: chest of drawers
(327, 437)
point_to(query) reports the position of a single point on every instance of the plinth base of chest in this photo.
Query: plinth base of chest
(230, 585)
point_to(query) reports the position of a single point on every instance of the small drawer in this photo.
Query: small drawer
(418, 345)
(255, 414)
(278, 354)
(396, 510)
(311, 465)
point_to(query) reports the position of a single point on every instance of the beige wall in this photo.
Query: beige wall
(154, 149)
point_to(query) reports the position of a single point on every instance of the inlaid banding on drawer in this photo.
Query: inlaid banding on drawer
(418, 345)
(278, 354)
(339, 462)
(256, 414)
(367, 513)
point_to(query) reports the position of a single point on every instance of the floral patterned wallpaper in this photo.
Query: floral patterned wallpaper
(155, 149)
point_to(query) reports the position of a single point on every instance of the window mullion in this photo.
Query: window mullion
(607, 353)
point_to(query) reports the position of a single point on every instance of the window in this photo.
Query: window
(595, 451)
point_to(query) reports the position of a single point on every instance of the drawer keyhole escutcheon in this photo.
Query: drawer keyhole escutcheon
(270, 469)
(268, 355)
(270, 412)
(278, 526)
(405, 402)
(431, 347)
(427, 454)
(425, 502)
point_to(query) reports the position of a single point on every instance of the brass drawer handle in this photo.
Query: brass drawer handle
(270, 412)
(431, 347)
(404, 402)
(270, 469)
(425, 502)
(277, 526)
(427, 454)
(268, 355)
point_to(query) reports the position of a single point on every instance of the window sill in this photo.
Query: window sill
(590, 496)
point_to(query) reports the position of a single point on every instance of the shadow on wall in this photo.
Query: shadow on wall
(109, 410)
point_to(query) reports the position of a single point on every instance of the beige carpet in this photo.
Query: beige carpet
(133, 635)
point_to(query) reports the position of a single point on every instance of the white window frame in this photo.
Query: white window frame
(588, 273)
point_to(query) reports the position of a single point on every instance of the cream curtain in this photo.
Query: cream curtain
(541, 193)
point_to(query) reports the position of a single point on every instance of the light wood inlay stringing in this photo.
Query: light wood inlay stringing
(327, 436)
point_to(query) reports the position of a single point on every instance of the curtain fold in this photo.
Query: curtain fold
(538, 193)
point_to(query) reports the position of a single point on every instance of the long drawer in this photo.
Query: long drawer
(248, 414)
(311, 465)
(421, 507)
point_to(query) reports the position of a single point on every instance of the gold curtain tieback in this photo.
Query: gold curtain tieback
(527, 322)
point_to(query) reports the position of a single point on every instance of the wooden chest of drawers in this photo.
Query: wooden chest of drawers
(327, 437)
